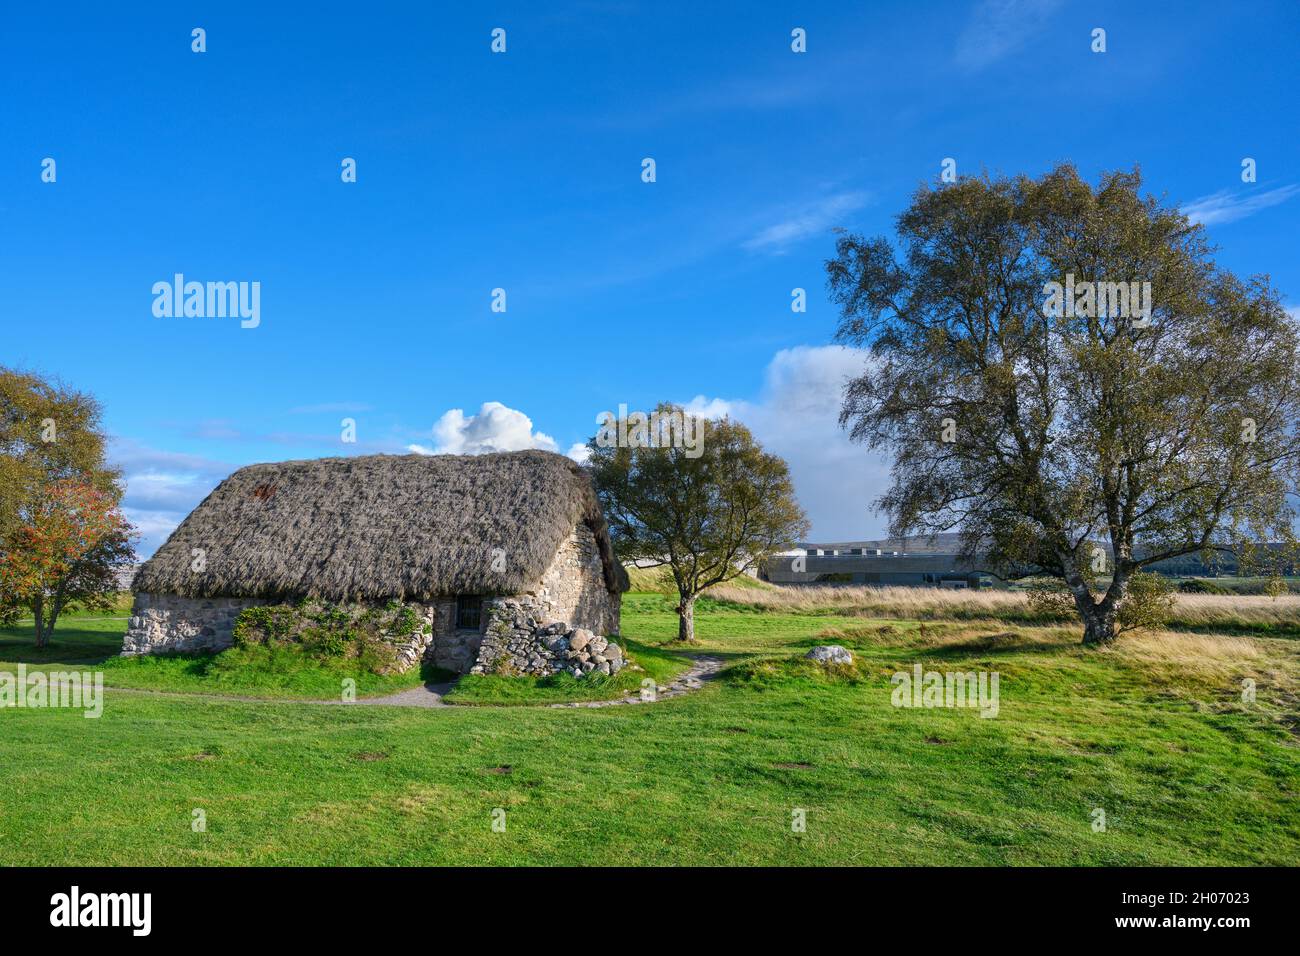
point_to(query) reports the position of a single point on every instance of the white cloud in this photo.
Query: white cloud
(494, 428)
(811, 220)
(1227, 206)
(998, 28)
(797, 417)
(709, 407)
(579, 452)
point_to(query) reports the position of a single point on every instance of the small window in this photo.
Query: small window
(468, 612)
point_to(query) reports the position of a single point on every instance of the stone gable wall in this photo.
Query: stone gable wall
(573, 587)
(572, 591)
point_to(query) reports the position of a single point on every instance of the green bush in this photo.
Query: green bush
(1148, 600)
(1050, 599)
(1202, 586)
(269, 625)
(1148, 603)
(366, 633)
(326, 641)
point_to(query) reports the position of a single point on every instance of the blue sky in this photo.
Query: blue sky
(522, 171)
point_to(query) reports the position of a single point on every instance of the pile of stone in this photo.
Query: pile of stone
(585, 652)
(515, 643)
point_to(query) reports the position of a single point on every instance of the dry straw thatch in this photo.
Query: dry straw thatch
(382, 526)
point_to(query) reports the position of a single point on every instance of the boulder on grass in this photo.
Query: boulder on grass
(830, 654)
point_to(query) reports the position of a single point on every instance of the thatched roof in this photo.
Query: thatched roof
(382, 526)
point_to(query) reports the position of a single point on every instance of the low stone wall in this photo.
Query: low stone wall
(412, 648)
(167, 623)
(517, 642)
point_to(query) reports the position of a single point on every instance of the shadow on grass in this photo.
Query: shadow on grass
(994, 644)
(437, 676)
(671, 650)
(70, 644)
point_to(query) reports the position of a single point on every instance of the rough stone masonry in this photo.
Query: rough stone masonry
(517, 642)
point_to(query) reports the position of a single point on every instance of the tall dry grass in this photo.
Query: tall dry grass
(1202, 667)
(1193, 611)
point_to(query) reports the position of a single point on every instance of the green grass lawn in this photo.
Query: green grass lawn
(1153, 732)
(85, 640)
(94, 642)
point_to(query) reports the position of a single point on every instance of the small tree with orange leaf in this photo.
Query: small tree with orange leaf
(64, 551)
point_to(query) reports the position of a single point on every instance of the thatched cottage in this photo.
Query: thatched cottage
(514, 538)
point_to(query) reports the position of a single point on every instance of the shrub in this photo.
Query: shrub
(1148, 601)
(271, 625)
(1049, 599)
(1148, 604)
(1276, 586)
(1202, 586)
(326, 641)
(376, 657)
(365, 633)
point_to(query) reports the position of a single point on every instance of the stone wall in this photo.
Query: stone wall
(573, 587)
(168, 623)
(516, 642)
(411, 648)
(572, 591)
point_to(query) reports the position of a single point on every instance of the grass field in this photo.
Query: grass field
(1153, 732)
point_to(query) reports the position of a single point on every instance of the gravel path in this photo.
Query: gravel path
(430, 695)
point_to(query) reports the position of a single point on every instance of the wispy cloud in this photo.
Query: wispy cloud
(998, 28)
(162, 487)
(230, 431)
(222, 429)
(811, 220)
(1229, 206)
(781, 89)
(327, 407)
